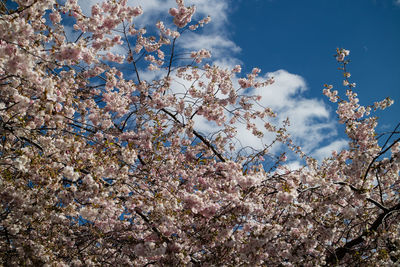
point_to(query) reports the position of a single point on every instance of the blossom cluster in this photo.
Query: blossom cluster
(100, 166)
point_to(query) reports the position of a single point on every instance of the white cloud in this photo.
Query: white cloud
(326, 151)
(153, 10)
(86, 5)
(215, 43)
(285, 87)
(217, 10)
(294, 165)
(397, 2)
(310, 117)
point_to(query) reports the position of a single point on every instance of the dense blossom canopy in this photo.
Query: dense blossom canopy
(100, 165)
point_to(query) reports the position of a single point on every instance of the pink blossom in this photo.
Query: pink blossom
(55, 17)
(104, 163)
(244, 83)
(237, 69)
(173, 12)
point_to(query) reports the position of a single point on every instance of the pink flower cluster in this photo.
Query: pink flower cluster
(200, 55)
(182, 15)
(102, 165)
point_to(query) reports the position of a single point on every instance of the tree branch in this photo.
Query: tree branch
(339, 253)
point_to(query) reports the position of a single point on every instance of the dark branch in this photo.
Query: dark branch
(339, 253)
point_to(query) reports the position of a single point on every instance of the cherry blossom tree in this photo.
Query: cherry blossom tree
(102, 165)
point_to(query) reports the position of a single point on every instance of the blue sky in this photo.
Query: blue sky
(294, 41)
(301, 37)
